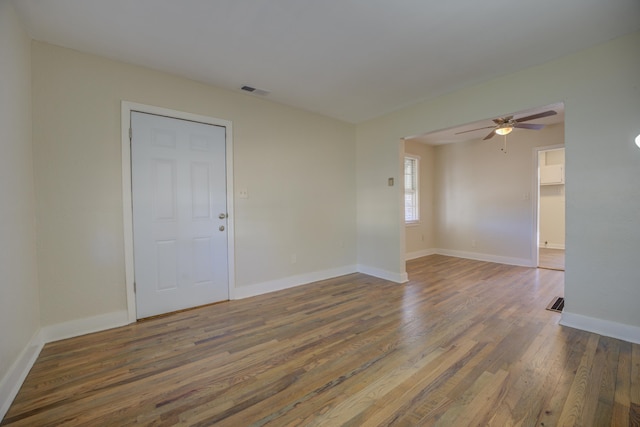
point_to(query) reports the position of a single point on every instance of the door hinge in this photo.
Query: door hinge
(134, 287)
(130, 134)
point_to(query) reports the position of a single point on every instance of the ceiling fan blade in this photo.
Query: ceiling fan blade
(501, 120)
(491, 135)
(528, 126)
(537, 116)
(473, 130)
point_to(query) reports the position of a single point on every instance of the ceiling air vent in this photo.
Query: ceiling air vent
(255, 91)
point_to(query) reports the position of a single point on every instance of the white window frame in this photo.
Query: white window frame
(415, 190)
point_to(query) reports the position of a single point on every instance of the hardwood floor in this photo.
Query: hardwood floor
(463, 343)
(551, 258)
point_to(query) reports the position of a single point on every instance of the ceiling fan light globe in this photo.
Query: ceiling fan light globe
(504, 131)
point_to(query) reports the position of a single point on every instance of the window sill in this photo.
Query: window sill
(412, 224)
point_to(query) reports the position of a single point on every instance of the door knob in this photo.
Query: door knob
(221, 228)
(222, 216)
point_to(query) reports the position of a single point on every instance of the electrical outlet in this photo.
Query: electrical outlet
(243, 194)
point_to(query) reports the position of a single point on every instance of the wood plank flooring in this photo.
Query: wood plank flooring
(463, 343)
(551, 258)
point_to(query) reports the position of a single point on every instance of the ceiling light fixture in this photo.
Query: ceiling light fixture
(506, 130)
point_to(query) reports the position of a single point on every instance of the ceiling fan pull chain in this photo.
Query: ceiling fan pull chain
(504, 147)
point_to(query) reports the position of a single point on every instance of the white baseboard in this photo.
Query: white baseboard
(303, 279)
(419, 254)
(552, 246)
(87, 325)
(471, 255)
(607, 328)
(383, 274)
(12, 381)
(522, 262)
(290, 282)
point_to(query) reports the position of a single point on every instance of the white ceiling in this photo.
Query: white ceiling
(349, 59)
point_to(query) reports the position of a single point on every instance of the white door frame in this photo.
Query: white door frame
(127, 207)
(536, 199)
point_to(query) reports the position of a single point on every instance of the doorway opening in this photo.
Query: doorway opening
(551, 208)
(485, 200)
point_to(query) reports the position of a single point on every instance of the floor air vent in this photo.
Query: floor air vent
(556, 305)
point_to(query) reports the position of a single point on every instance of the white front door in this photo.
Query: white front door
(178, 178)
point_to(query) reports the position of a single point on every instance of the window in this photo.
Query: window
(411, 205)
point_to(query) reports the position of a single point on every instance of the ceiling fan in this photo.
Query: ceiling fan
(504, 125)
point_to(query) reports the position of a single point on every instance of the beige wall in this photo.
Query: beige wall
(599, 87)
(421, 237)
(484, 196)
(19, 309)
(298, 169)
(552, 205)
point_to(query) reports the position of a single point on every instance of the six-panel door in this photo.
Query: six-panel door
(179, 213)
